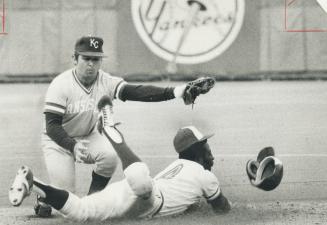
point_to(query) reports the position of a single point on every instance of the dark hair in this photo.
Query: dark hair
(193, 152)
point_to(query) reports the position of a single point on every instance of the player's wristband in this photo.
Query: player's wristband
(179, 91)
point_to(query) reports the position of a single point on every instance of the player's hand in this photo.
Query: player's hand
(80, 151)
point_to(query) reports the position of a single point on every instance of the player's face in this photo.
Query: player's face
(207, 157)
(87, 67)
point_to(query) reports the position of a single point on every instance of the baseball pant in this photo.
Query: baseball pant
(60, 162)
(125, 198)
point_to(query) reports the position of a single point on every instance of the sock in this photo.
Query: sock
(126, 155)
(98, 183)
(53, 196)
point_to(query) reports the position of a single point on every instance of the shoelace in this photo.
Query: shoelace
(107, 113)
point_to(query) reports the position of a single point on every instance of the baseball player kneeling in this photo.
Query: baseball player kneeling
(183, 183)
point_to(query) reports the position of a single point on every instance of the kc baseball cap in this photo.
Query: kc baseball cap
(188, 136)
(89, 46)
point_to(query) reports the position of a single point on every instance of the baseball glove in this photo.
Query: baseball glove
(194, 88)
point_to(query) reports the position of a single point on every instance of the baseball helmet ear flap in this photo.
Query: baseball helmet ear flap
(269, 174)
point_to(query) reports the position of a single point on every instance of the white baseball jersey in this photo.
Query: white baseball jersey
(66, 96)
(183, 183)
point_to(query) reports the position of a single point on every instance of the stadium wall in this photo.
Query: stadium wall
(42, 33)
(41, 36)
(293, 34)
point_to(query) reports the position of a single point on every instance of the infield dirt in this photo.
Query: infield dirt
(245, 116)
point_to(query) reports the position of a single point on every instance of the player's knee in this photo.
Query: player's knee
(106, 164)
(138, 178)
(61, 180)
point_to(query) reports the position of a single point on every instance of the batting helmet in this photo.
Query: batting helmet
(266, 172)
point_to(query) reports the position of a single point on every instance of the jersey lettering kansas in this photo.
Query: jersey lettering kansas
(67, 97)
(183, 183)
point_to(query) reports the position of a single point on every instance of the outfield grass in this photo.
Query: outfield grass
(245, 116)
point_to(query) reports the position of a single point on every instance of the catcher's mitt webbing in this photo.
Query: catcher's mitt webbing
(194, 88)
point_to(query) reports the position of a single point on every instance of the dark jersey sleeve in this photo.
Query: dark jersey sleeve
(57, 133)
(146, 93)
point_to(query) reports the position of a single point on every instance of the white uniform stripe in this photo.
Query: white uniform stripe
(55, 105)
(215, 195)
(119, 88)
(195, 131)
(88, 91)
(54, 108)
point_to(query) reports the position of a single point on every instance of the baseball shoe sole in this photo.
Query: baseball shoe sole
(22, 186)
(109, 128)
(108, 125)
(113, 134)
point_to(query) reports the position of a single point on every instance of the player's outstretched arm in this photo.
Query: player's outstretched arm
(149, 93)
(220, 204)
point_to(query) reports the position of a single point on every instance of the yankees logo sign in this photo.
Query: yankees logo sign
(94, 43)
(3, 19)
(194, 30)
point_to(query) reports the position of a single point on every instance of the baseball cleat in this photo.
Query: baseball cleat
(105, 108)
(42, 209)
(108, 125)
(22, 186)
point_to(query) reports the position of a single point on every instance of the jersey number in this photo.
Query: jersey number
(172, 173)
